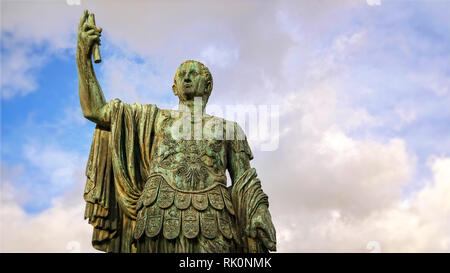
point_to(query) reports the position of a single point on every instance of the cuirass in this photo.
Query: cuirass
(186, 192)
(188, 164)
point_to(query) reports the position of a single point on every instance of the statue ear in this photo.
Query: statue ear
(209, 87)
(175, 90)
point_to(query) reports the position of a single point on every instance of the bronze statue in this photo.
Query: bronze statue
(150, 190)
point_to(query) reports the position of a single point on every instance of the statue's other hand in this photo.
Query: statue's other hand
(88, 34)
(261, 227)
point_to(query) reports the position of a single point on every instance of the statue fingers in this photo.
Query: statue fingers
(87, 26)
(272, 236)
(268, 243)
(268, 229)
(268, 224)
(93, 39)
(83, 19)
(93, 32)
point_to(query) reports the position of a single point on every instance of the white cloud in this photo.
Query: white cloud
(417, 224)
(329, 189)
(133, 81)
(35, 21)
(58, 167)
(30, 38)
(434, 82)
(221, 57)
(18, 69)
(373, 2)
(49, 231)
(406, 115)
(337, 192)
(344, 42)
(72, 115)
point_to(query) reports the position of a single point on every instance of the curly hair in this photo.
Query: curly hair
(205, 73)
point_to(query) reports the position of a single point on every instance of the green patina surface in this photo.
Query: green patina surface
(150, 190)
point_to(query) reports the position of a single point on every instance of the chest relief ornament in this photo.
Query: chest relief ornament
(191, 166)
(190, 159)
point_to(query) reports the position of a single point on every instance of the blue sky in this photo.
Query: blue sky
(363, 87)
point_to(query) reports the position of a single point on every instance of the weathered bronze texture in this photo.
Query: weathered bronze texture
(148, 190)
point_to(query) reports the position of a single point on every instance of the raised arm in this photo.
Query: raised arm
(92, 100)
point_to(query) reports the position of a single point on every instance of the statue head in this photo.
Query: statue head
(192, 79)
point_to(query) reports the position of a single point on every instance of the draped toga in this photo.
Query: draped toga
(148, 191)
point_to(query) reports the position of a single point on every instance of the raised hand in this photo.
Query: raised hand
(92, 99)
(88, 35)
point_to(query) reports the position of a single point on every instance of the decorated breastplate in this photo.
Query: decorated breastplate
(188, 164)
(186, 192)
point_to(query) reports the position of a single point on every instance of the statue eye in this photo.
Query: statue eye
(182, 74)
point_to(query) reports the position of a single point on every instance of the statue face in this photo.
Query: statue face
(190, 81)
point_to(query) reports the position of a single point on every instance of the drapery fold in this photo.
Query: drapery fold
(116, 170)
(246, 196)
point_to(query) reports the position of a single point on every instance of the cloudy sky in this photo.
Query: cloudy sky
(363, 88)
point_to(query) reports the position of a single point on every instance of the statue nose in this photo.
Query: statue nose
(187, 79)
